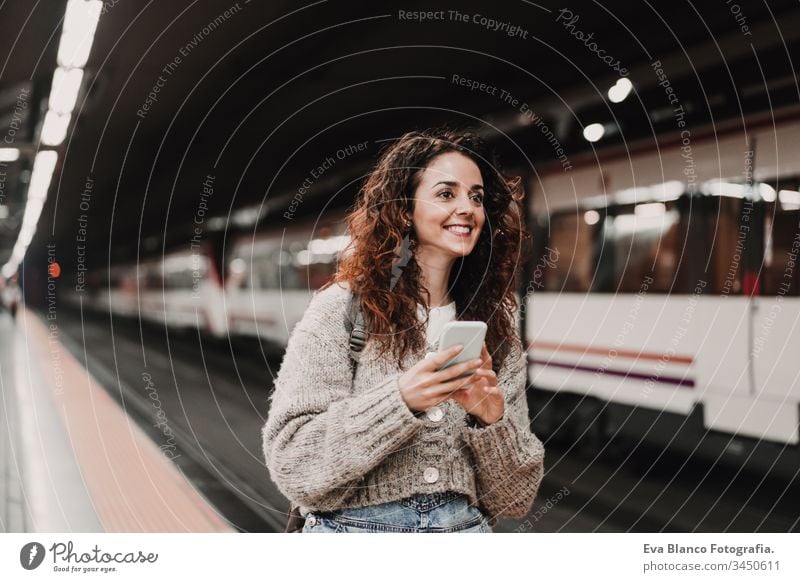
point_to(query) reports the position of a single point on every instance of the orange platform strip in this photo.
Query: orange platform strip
(132, 485)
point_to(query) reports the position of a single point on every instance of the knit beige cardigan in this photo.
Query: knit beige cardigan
(333, 441)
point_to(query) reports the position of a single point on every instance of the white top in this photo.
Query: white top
(437, 317)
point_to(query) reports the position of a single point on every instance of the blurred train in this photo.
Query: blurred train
(269, 279)
(665, 299)
(662, 304)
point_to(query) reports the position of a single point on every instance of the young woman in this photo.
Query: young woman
(438, 234)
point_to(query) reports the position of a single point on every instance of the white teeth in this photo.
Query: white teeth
(459, 229)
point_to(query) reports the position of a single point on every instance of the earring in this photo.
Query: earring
(408, 224)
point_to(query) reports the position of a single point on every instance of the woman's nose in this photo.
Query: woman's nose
(464, 206)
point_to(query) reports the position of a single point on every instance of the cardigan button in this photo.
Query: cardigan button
(435, 414)
(431, 475)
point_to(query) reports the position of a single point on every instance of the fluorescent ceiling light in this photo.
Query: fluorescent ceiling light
(593, 132)
(670, 190)
(32, 211)
(328, 246)
(43, 167)
(9, 154)
(663, 192)
(19, 254)
(246, 216)
(64, 90)
(591, 217)
(633, 223)
(620, 90)
(217, 223)
(790, 200)
(54, 128)
(77, 36)
(653, 209)
(726, 189)
(767, 192)
(238, 266)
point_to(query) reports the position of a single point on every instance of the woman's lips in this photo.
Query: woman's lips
(460, 232)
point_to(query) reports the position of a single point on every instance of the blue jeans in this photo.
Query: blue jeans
(434, 513)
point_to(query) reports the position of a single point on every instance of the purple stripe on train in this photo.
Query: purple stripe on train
(674, 380)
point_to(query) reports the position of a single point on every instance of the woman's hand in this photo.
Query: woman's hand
(422, 387)
(481, 397)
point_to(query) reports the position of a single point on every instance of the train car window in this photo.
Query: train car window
(256, 275)
(245, 277)
(186, 278)
(726, 241)
(604, 279)
(180, 273)
(237, 273)
(295, 264)
(320, 257)
(170, 280)
(249, 268)
(291, 267)
(570, 250)
(269, 268)
(781, 237)
(644, 239)
(196, 271)
(153, 279)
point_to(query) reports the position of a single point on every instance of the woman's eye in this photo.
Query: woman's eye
(448, 194)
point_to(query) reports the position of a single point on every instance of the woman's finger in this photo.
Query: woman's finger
(489, 375)
(457, 384)
(456, 370)
(486, 359)
(460, 396)
(439, 359)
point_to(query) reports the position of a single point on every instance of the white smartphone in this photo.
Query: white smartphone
(470, 334)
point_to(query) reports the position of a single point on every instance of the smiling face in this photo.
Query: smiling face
(448, 206)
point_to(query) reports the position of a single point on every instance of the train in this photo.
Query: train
(660, 306)
(261, 289)
(664, 301)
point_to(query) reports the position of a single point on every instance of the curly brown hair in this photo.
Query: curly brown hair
(482, 283)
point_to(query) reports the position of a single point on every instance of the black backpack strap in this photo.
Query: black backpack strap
(354, 323)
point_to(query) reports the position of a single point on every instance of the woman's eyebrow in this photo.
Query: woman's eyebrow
(453, 184)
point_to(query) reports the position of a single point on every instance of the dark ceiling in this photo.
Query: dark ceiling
(263, 94)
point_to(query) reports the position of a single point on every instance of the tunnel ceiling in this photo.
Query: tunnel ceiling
(256, 98)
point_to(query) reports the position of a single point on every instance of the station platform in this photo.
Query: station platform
(71, 458)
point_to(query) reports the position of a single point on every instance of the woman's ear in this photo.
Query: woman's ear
(408, 218)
